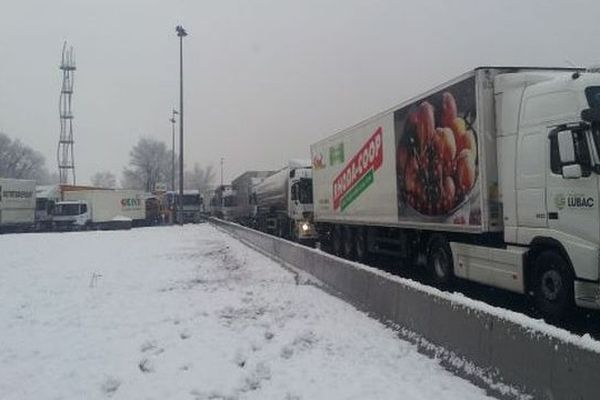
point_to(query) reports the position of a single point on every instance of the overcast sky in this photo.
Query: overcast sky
(263, 78)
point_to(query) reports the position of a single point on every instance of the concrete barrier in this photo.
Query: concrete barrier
(511, 355)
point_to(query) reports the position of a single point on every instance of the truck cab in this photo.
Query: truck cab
(224, 203)
(548, 133)
(73, 214)
(300, 207)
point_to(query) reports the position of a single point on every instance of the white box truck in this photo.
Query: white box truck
(492, 177)
(99, 208)
(284, 202)
(17, 205)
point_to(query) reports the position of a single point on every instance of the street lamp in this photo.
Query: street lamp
(181, 33)
(222, 188)
(173, 121)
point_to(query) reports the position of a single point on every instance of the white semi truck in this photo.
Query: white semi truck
(224, 202)
(17, 204)
(284, 203)
(492, 177)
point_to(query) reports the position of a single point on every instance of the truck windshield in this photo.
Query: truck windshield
(68, 209)
(305, 194)
(191, 200)
(593, 96)
(229, 201)
(41, 204)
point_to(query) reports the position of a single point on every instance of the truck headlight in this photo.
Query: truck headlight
(305, 226)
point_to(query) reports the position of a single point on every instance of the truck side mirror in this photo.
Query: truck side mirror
(572, 171)
(566, 153)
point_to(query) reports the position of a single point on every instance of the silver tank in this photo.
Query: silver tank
(272, 192)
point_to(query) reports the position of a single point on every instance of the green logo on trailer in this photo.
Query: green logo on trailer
(336, 154)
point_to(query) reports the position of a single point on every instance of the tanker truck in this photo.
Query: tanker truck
(492, 177)
(284, 203)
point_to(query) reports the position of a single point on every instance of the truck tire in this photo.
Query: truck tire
(336, 241)
(439, 261)
(348, 249)
(553, 285)
(360, 244)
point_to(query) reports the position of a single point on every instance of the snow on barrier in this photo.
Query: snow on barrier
(511, 354)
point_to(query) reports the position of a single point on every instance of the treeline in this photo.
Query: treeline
(150, 164)
(20, 161)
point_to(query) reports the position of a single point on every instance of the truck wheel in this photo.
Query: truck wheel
(336, 241)
(348, 243)
(553, 286)
(360, 244)
(439, 260)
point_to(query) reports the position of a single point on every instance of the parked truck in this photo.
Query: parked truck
(17, 205)
(224, 203)
(492, 177)
(46, 198)
(192, 205)
(243, 186)
(284, 203)
(99, 208)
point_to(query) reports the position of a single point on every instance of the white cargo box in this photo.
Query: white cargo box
(429, 163)
(107, 204)
(17, 202)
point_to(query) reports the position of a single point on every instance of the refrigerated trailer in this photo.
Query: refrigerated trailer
(17, 204)
(492, 177)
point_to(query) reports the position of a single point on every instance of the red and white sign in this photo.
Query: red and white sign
(369, 157)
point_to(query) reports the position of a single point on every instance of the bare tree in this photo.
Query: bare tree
(199, 178)
(105, 179)
(20, 161)
(149, 164)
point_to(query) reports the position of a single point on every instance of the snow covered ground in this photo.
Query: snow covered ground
(189, 313)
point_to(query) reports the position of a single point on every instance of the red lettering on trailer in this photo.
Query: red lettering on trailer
(369, 157)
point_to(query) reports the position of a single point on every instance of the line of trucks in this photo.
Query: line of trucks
(27, 207)
(492, 177)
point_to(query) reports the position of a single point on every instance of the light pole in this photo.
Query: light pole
(173, 150)
(222, 188)
(181, 33)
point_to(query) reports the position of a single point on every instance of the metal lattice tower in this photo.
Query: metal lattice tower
(64, 153)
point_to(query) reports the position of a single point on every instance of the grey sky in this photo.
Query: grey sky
(263, 78)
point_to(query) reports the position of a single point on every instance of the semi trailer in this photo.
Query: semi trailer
(284, 203)
(492, 177)
(17, 205)
(243, 187)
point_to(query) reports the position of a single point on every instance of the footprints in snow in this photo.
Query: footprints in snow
(150, 350)
(110, 386)
(220, 267)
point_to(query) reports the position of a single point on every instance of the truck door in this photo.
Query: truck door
(572, 187)
(531, 179)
